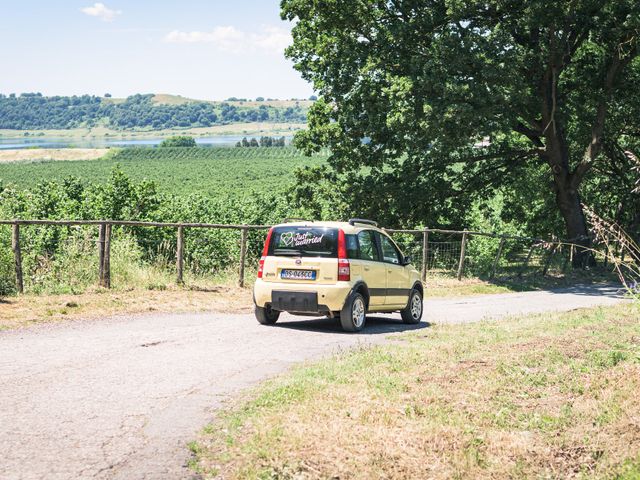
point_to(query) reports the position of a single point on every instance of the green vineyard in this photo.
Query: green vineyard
(228, 172)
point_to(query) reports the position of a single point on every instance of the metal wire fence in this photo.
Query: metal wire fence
(76, 254)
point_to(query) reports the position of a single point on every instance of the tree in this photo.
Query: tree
(178, 141)
(500, 87)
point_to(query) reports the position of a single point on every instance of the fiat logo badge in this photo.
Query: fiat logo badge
(298, 261)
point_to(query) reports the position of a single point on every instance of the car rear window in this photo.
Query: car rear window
(304, 241)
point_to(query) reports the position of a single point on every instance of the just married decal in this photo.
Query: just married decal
(292, 239)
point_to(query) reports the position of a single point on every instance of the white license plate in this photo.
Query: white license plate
(298, 274)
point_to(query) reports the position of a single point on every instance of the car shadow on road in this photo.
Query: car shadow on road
(376, 325)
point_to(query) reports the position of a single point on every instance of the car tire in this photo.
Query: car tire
(266, 315)
(412, 313)
(354, 313)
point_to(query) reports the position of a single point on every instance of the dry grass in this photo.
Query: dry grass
(51, 154)
(550, 396)
(272, 103)
(27, 310)
(167, 99)
(439, 285)
(443, 286)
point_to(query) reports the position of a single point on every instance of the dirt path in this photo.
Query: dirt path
(120, 398)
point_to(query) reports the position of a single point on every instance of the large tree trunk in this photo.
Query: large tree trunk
(565, 185)
(566, 181)
(570, 206)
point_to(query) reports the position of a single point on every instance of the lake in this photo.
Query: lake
(102, 142)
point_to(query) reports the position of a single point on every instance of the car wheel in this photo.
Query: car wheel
(412, 313)
(354, 313)
(267, 315)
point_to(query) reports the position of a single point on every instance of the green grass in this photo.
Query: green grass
(545, 396)
(211, 171)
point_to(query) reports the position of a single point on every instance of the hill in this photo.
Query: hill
(33, 111)
(166, 99)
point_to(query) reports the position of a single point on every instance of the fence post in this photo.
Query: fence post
(463, 248)
(549, 258)
(101, 233)
(17, 256)
(497, 259)
(565, 265)
(425, 254)
(528, 259)
(243, 255)
(107, 256)
(180, 256)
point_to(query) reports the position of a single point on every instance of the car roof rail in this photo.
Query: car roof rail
(294, 219)
(353, 221)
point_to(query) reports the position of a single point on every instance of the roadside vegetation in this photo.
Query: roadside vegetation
(207, 185)
(545, 396)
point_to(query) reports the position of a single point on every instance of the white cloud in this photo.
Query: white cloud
(101, 11)
(230, 39)
(225, 38)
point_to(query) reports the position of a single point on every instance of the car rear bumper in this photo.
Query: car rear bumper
(301, 298)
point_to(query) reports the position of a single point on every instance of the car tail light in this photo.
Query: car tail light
(265, 252)
(344, 268)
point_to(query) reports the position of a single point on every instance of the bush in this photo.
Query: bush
(179, 141)
(64, 259)
(7, 286)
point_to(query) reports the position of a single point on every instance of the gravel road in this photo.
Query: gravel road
(121, 397)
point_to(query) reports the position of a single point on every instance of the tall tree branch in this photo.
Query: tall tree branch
(597, 130)
(532, 134)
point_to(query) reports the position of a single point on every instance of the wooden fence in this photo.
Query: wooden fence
(105, 232)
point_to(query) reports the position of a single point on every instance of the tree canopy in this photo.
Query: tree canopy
(437, 101)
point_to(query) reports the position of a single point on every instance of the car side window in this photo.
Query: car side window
(390, 253)
(368, 249)
(352, 246)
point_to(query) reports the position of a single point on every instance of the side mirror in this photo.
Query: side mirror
(406, 260)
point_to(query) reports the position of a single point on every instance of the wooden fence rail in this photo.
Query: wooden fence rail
(105, 233)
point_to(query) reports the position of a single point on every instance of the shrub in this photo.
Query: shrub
(7, 286)
(179, 141)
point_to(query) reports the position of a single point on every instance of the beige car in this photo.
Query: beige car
(338, 269)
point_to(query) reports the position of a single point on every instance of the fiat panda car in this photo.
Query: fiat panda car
(339, 269)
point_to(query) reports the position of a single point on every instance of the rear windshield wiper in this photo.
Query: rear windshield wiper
(287, 251)
(301, 253)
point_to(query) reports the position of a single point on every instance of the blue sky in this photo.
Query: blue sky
(196, 48)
